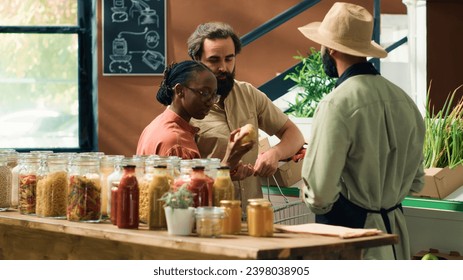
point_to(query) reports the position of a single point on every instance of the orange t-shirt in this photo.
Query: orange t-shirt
(169, 135)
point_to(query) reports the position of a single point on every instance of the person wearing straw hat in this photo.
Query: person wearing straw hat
(366, 149)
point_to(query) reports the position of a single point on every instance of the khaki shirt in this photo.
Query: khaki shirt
(245, 104)
(366, 143)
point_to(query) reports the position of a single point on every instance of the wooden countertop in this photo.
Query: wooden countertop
(21, 237)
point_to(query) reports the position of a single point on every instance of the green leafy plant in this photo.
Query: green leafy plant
(443, 145)
(180, 199)
(314, 83)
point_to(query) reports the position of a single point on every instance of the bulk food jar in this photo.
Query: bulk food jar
(128, 199)
(223, 188)
(5, 184)
(158, 185)
(232, 217)
(107, 166)
(112, 183)
(260, 218)
(52, 186)
(27, 179)
(84, 191)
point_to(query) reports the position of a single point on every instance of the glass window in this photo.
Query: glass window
(47, 75)
(38, 12)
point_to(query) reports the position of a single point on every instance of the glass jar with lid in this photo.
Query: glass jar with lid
(209, 221)
(52, 186)
(128, 199)
(5, 183)
(223, 188)
(260, 218)
(158, 185)
(232, 217)
(107, 166)
(84, 191)
(27, 187)
(198, 185)
(112, 182)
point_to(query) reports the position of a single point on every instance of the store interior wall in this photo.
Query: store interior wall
(126, 104)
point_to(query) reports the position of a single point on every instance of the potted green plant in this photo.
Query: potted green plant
(312, 84)
(179, 211)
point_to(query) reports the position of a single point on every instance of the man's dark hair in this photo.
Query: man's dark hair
(211, 30)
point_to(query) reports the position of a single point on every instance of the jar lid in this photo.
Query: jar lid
(209, 211)
(224, 167)
(260, 203)
(230, 202)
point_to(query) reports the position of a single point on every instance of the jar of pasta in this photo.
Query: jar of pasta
(232, 217)
(27, 188)
(260, 218)
(52, 186)
(84, 190)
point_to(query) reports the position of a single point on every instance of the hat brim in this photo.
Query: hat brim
(372, 50)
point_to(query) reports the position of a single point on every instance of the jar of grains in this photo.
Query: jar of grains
(52, 185)
(84, 190)
(5, 184)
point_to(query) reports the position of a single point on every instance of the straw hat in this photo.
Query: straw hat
(347, 28)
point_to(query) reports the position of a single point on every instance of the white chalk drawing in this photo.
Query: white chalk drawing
(146, 14)
(136, 34)
(119, 11)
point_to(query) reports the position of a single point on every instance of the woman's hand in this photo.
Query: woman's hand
(241, 171)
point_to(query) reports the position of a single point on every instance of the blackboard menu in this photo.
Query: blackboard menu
(134, 37)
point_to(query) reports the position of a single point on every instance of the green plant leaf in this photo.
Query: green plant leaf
(313, 82)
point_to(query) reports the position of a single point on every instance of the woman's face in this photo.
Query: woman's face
(199, 95)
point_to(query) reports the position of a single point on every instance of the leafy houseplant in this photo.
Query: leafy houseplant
(312, 82)
(443, 146)
(179, 211)
(180, 199)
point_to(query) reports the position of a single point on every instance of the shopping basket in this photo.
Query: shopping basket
(289, 212)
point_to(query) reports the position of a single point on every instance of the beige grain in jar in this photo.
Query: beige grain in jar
(232, 218)
(209, 221)
(260, 218)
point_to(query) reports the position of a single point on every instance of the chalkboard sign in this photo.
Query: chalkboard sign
(134, 37)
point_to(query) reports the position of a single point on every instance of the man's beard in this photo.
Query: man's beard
(329, 66)
(224, 86)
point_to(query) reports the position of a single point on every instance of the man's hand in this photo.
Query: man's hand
(266, 163)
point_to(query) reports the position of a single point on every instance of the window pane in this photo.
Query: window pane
(38, 91)
(38, 12)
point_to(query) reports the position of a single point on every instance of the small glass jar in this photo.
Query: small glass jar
(198, 185)
(232, 218)
(112, 182)
(209, 221)
(223, 188)
(107, 165)
(128, 199)
(52, 187)
(260, 218)
(5, 184)
(84, 191)
(158, 185)
(27, 189)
